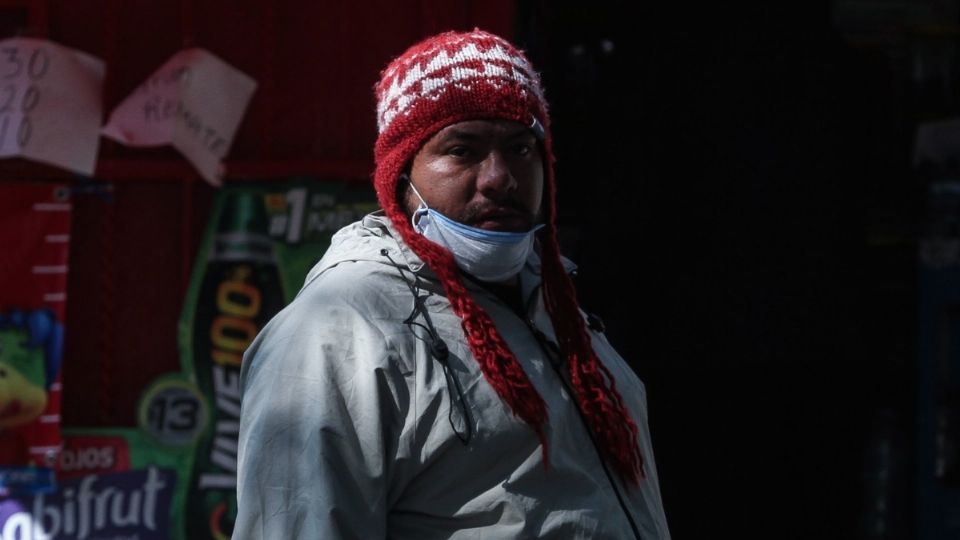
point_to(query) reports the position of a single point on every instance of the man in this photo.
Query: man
(435, 378)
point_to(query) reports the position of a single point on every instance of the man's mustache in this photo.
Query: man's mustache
(482, 210)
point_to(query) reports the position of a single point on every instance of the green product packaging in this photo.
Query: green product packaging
(260, 242)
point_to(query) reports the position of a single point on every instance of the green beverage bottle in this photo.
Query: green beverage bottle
(235, 289)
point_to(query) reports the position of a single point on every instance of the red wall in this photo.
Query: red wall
(134, 236)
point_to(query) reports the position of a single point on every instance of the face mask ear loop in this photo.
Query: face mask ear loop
(421, 209)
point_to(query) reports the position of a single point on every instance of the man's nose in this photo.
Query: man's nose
(495, 176)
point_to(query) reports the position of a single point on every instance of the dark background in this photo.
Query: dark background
(736, 186)
(735, 183)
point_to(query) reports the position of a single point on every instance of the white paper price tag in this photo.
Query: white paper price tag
(194, 102)
(50, 104)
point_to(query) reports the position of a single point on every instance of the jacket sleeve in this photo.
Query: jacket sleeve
(323, 408)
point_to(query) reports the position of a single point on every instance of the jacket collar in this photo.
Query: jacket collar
(379, 224)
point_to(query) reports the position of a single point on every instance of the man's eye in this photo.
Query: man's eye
(522, 149)
(459, 151)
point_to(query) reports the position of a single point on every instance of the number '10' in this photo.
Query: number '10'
(24, 130)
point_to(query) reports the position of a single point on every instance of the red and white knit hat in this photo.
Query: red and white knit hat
(455, 77)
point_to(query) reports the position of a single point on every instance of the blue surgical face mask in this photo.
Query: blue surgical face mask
(489, 256)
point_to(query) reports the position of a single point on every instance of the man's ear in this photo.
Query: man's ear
(403, 191)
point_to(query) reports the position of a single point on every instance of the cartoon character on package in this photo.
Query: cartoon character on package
(30, 355)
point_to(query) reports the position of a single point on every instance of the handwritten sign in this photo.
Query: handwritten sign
(50, 104)
(194, 102)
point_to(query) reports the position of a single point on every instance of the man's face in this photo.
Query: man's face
(483, 173)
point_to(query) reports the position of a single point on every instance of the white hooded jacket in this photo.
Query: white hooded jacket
(352, 428)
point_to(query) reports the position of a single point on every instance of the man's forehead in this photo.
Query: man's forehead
(477, 129)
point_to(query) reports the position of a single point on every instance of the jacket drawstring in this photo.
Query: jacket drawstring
(438, 349)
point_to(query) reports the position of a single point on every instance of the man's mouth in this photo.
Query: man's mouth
(502, 219)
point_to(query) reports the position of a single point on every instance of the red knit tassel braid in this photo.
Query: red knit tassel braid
(454, 77)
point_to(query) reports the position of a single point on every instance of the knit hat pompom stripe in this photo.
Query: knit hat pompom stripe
(455, 77)
(478, 63)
